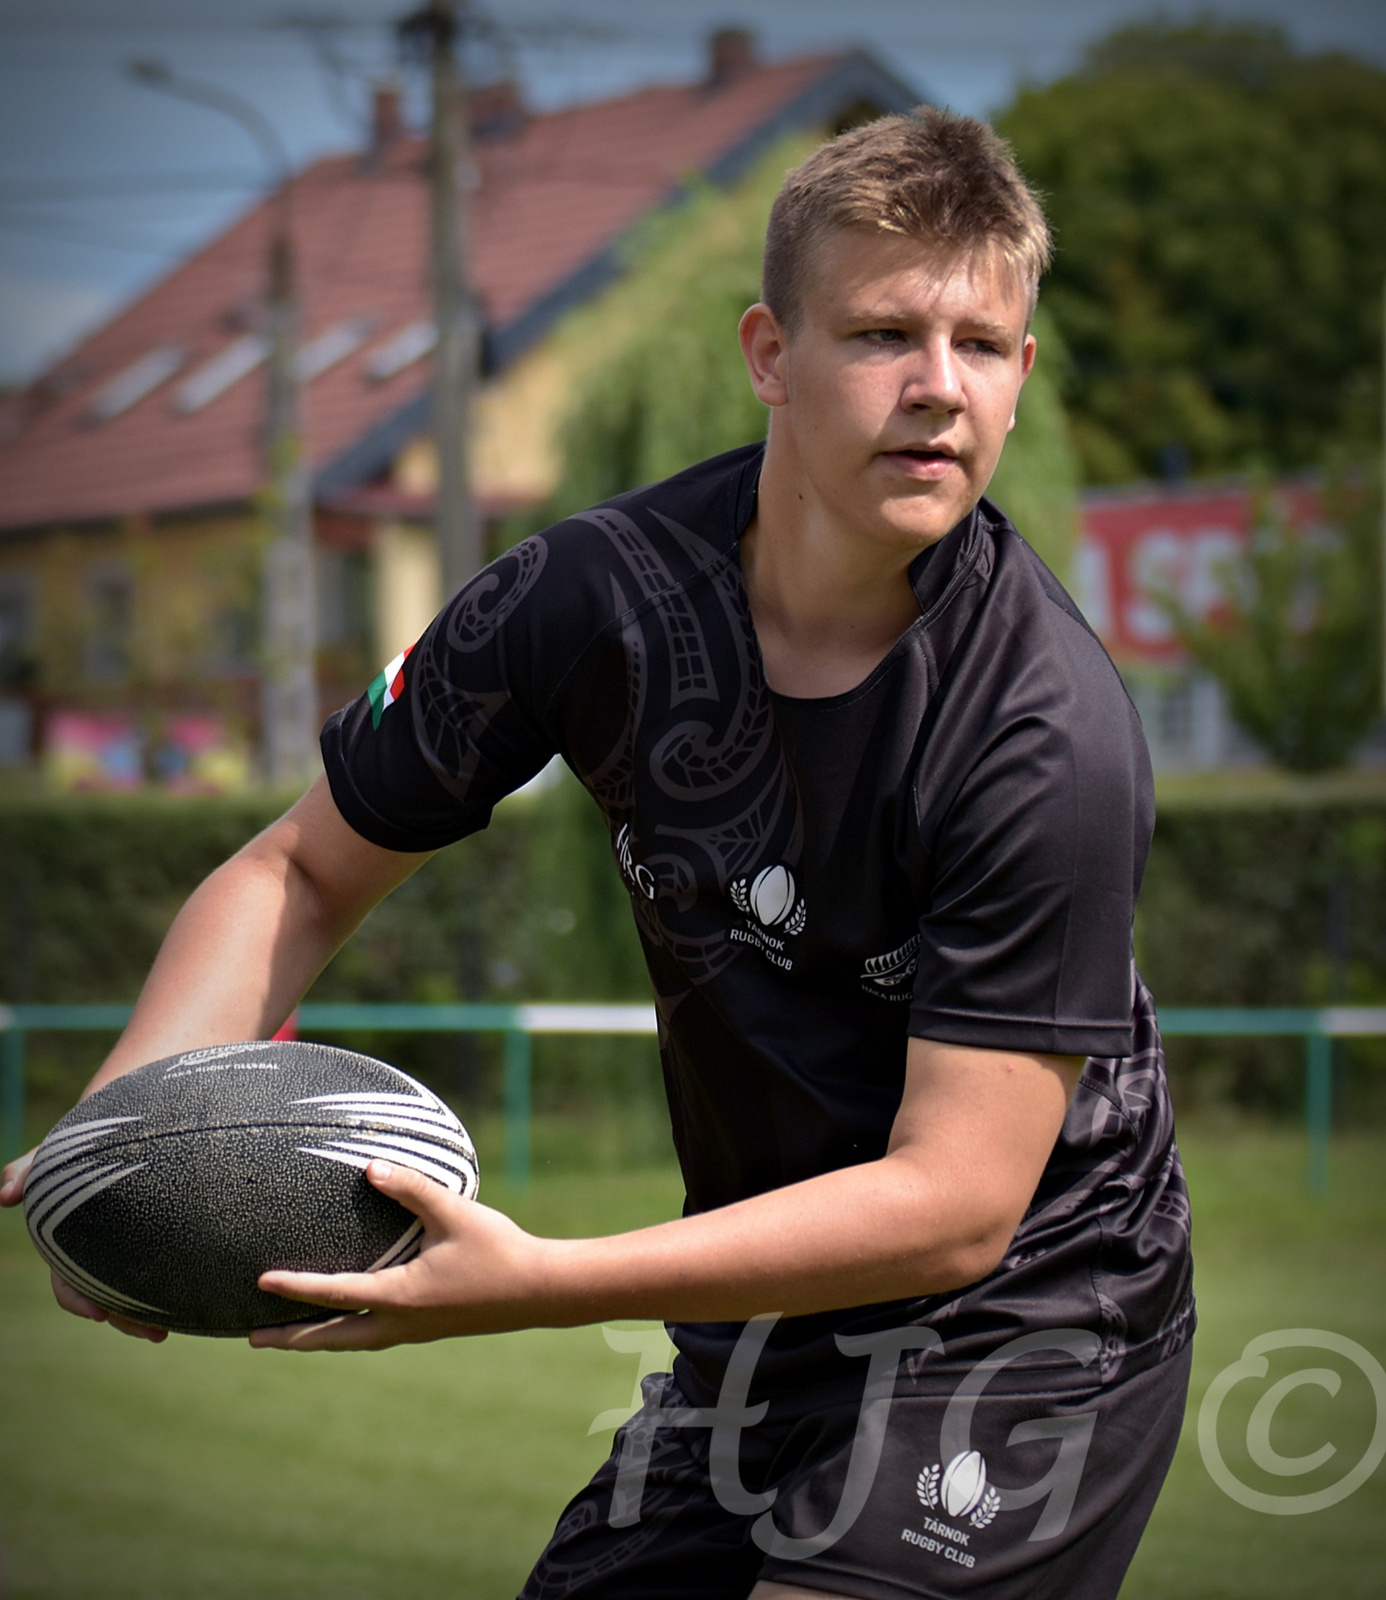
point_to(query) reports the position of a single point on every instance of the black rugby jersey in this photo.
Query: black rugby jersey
(951, 850)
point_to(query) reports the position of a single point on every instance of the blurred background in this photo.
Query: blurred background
(304, 315)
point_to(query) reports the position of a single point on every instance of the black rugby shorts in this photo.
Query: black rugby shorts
(1028, 1482)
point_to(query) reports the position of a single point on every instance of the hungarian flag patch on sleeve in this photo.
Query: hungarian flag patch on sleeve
(387, 687)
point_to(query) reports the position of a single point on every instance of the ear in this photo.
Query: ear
(1027, 366)
(764, 347)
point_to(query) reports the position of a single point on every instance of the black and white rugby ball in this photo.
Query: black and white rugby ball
(164, 1196)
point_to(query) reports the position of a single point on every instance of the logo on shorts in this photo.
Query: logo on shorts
(774, 911)
(961, 1488)
(888, 976)
(961, 1491)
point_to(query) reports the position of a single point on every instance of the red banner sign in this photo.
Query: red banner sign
(1137, 544)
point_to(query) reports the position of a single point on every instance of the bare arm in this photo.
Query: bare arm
(973, 1133)
(251, 939)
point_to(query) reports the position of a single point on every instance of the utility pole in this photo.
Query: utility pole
(289, 687)
(436, 29)
(289, 692)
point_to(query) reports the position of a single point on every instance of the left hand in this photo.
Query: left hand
(476, 1273)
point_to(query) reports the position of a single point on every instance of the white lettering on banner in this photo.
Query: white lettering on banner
(1189, 568)
(1205, 578)
(1155, 569)
(1092, 585)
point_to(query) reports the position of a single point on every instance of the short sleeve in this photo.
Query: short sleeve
(456, 722)
(1025, 942)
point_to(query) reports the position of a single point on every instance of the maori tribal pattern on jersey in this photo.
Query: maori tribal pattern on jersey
(951, 850)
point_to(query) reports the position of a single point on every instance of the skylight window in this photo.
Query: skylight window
(401, 350)
(332, 346)
(216, 376)
(131, 385)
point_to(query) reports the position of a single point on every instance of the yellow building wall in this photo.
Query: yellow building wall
(519, 416)
(138, 606)
(516, 427)
(408, 585)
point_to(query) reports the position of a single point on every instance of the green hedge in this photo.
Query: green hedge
(1261, 905)
(531, 909)
(1268, 905)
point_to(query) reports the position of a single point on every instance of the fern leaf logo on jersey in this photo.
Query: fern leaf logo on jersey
(387, 687)
(888, 976)
(774, 911)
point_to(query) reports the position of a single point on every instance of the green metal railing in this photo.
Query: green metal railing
(1318, 1029)
(518, 1025)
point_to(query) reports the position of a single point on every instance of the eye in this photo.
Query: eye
(883, 336)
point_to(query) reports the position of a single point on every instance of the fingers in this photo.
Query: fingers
(12, 1179)
(428, 1200)
(366, 1332)
(369, 1291)
(73, 1300)
(438, 1294)
(434, 1205)
(341, 1291)
(137, 1330)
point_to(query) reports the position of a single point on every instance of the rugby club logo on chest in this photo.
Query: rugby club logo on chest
(774, 911)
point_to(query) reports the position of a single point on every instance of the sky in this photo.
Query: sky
(105, 183)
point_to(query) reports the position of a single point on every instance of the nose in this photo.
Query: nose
(933, 381)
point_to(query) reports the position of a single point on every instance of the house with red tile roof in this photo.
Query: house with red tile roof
(131, 473)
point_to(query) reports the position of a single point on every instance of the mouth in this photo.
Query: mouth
(924, 461)
(926, 452)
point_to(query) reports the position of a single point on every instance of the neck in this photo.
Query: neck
(828, 602)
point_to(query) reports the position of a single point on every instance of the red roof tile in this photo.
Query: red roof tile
(551, 197)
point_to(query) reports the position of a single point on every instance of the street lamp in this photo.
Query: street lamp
(289, 697)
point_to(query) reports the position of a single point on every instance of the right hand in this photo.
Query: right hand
(11, 1194)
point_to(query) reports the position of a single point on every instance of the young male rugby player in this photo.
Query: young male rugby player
(882, 808)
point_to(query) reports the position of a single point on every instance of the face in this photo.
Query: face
(895, 394)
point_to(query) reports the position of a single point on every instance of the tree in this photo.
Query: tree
(1219, 206)
(1298, 651)
(661, 383)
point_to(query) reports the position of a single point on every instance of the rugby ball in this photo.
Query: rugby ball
(164, 1195)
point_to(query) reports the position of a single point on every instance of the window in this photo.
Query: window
(18, 662)
(110, 624)
(345, 620)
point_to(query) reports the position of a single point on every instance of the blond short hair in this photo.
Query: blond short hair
(947, 180)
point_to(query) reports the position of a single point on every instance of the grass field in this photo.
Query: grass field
(204, 1469)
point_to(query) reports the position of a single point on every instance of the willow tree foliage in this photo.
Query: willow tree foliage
(661, 384)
